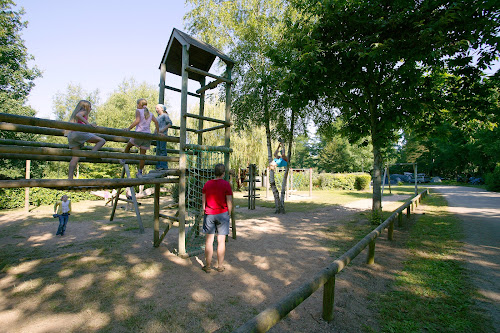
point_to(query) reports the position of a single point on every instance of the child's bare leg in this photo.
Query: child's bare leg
(99, 142)
(142, 162)
(72, 164)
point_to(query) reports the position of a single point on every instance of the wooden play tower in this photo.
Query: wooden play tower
(184, 56)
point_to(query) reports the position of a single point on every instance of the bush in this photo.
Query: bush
(14, 197)
(362, 181)
(493, 179)
(329, 181)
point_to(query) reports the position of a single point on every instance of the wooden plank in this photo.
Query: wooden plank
(68, 158)
(212, 128)
(7, 149)
(67, 183)
(201, 72)
(215, 120)
(209, 148)
(211, 85)
(178, 90)
(33, 121)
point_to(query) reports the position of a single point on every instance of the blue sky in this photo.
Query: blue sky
(97, 44)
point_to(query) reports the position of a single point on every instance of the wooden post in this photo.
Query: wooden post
(27, 189)
(371, 253)
(329, 299)
(182, 155)
(408, 211)
(400, 219)
(227, 130)
(156, 224)
(389, 179)
(134, 199)
(115, 204)
(415, 173)
(267, 182)
(310, 182)
(163, 72)
(390, 230)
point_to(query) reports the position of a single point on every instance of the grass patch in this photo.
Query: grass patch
(433, 292)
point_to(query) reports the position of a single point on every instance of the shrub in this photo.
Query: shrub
(14, 197)
(329, 181)
(362, 181)
(493, 179)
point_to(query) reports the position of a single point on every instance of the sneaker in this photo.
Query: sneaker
(139, 174)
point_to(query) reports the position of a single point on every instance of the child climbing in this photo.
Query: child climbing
(279, 161)
(143, 119)
(164, 124)
(62, 209)
(77, 139)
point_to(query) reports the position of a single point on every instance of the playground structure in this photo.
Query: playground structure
(252, 187)
(293, 182)
(184, 56)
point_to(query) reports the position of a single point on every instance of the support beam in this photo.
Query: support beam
(212, 128)
(178, 90)
(33, 121)
(210, 148)
(67, 159)
(81, 153)
(201, 72)
(215, 120)
(62, 183)
(211, 85)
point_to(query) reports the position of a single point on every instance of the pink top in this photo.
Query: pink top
(144, 123)
(81, 122)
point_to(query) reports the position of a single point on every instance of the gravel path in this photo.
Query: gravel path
(480, 212)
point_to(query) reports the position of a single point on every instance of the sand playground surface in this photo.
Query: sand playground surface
(105, 276)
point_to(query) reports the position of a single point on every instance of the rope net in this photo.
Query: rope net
(200, 169)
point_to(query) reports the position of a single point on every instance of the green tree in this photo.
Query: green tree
(376, 62)
(16, 82)
(64, 103)
(16, 76)
(246, 31)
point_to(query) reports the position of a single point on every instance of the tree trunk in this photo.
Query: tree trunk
(278, 204)
(377, 164)
(285, 176)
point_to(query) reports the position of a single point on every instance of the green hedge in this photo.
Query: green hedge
(493, 179)
(327, 181)
(14, 197)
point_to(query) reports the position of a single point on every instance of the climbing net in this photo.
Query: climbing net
(200, 169)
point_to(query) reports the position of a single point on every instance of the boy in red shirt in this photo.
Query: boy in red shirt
(216, 204)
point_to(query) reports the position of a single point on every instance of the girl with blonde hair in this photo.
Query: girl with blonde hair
(77, 139)
(142, 122)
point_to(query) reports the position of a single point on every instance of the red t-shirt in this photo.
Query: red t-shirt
(215, 191)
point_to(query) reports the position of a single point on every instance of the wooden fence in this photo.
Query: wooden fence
(272, 315)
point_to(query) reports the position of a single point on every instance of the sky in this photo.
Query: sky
(97, 44)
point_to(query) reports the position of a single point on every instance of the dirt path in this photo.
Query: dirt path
(131, 281)
(480, 212)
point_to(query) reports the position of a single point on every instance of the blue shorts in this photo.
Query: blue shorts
(216, 223)
(280, 163)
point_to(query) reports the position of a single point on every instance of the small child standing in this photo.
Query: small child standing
(143, 119)
(62, 209)
(164, 124)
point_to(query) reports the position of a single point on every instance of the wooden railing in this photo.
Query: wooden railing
(272, 315)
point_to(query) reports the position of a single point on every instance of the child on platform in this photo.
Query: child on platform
(143, 119)
(164, 124)
(76, 139)
(62, 209)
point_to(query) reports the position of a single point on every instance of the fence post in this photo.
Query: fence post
(408, 211)
(400, 219)
(390, 230)
(371, 253)
(328, 299)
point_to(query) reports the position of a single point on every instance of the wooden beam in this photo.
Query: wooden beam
(33, 121)
(212, 128)
(215, 120)
(201, 72)
(178, 90)
(67, 183)
(82, 153)
(57, 145)
(211, 85)
(209, 148)
(67, 159)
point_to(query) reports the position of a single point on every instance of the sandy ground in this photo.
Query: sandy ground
(270, 258)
